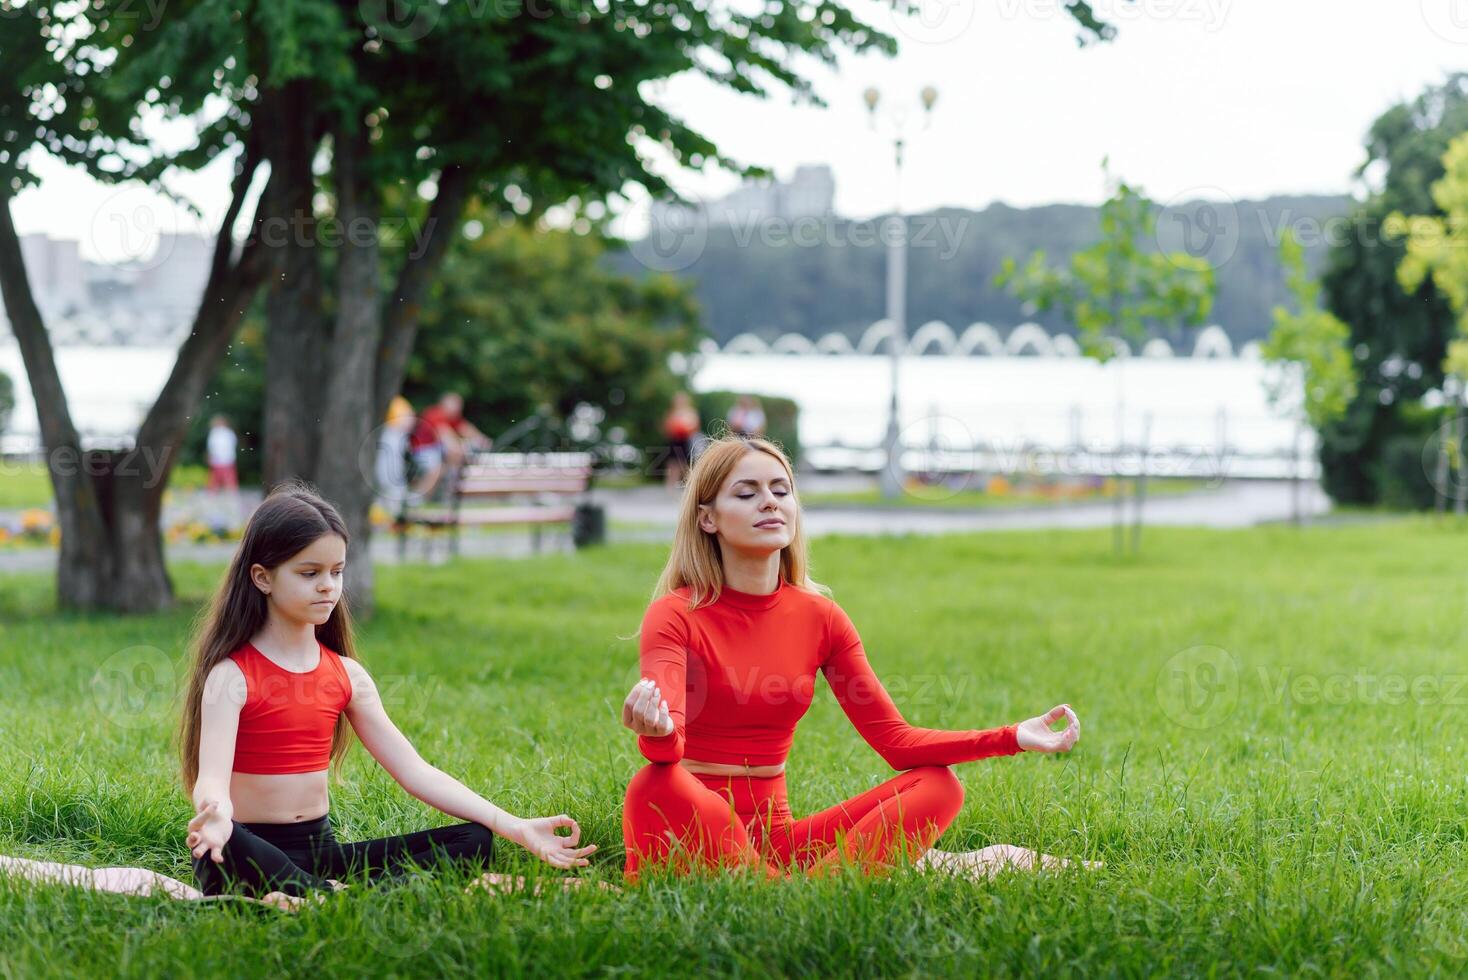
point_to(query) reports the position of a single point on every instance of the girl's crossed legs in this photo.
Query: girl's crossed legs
(297, 858)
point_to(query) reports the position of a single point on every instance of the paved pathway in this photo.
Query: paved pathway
(648, 513)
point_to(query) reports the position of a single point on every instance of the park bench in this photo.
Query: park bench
(535, 489)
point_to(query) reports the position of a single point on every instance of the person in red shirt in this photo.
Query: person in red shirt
(680, 425)
(729, 650)
(440, 440)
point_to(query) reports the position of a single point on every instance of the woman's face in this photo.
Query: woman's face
(754, 511)
(306, 587)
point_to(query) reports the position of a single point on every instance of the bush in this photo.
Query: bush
(1407, 459)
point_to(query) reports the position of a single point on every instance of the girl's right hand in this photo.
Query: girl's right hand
(646, 712)
(209, 831)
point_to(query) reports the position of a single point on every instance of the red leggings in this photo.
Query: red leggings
(671, 815)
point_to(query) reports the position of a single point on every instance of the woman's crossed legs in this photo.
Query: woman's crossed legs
(675, 817)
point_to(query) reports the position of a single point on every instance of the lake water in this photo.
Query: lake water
(1199, 415)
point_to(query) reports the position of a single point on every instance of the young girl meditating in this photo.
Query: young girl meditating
(274, 684)
(730, 647)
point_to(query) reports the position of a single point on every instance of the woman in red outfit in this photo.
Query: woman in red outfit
(730, 647)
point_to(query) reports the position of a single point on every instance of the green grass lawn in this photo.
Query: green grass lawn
(1271, 767)
(27, 484)
(23, 484)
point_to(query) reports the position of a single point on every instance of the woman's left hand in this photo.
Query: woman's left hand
(539, 837)
(1036, 735)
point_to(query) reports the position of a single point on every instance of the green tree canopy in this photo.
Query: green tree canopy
(1398, 338)
(1117, 289)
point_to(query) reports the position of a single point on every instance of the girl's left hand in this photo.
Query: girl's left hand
(539, 837)
(1036, 735)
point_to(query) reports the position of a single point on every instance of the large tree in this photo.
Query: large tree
(1398, 338)
(67, 91)
(352, 108)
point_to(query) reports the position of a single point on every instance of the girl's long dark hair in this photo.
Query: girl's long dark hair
(287, 521)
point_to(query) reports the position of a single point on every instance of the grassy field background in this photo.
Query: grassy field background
(28, 484)
(1271, 766)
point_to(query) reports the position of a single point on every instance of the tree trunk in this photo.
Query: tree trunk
(1118, 524)
(348, 425)
(327, 389)
(1141, 491)
(1297, 474)
(129, 486)
(400, 320)
(109, 503)
(85, 563)
(295, 338)
(1460, 485)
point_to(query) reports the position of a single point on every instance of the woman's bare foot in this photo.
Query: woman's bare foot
(989, 861)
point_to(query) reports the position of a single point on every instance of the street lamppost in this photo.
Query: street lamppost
(894, 122)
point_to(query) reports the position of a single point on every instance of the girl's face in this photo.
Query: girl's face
(755, 510)
(306, 587)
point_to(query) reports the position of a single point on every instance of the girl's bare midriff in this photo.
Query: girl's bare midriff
(285, 798)
(725, 769)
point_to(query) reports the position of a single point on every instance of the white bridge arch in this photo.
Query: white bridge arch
(936, 338)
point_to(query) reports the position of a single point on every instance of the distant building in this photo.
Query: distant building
(147, 303)
(810, 193)
(56, 273)
(173, 281)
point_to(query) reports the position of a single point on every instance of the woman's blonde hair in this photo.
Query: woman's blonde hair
(695, 561)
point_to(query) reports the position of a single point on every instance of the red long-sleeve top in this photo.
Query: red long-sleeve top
(739, 674)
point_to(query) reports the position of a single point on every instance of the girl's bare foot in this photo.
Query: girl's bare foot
(504, 884)
(282, 901)
(989, 861)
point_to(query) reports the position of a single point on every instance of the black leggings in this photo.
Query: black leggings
(296, 857)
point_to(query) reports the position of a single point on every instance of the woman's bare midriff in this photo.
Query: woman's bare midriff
(284, 798)
(726, 769)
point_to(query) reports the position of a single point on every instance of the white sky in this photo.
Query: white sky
(1196, 98)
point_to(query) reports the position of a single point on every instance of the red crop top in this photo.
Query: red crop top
(740, 673)
(288, 718)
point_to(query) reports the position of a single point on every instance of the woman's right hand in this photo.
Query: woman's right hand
(209, 831)
(1036, 735)
(645, 711)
